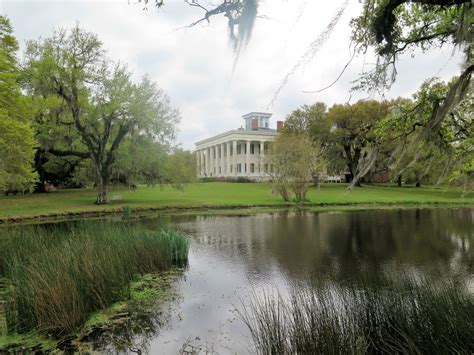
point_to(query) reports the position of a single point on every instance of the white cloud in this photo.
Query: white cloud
(195, 65)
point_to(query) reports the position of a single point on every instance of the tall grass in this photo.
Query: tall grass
(404, 317)
(58, 276)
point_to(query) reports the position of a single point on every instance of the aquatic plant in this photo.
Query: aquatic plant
(399, 317)
(126, 212)
(59, 276)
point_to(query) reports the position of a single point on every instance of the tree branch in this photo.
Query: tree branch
(455, 94)
(385, 21)
(67, 153)
(421, 39)
(123, 130)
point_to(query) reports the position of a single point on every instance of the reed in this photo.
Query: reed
(59, 276)
(403, 317)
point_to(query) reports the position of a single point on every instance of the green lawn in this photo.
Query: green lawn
(222, 195)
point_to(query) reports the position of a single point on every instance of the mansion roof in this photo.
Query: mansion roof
(236, 134)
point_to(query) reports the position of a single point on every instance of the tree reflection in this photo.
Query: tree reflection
(341, 244)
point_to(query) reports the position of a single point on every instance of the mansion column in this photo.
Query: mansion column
(203, 162)
(216, 160)
(234, 157)
(207, 165)
(262, 157)
(213, 160)
(227, 159)
(247, 157)
(210, 162)
(222, 159)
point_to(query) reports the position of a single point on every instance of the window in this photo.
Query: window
(220, 170)
(239, 168)
(239, 149)
(252, 148)
(265, 168)
(252, 168)
(231, 168)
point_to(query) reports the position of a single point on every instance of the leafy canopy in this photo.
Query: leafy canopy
(16, 136)
(97, 99)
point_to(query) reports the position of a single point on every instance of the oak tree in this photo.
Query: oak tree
(103, 104)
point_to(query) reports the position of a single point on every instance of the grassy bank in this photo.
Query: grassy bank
(401, 317)
(117, 326)
(218, 195)
(55, 278)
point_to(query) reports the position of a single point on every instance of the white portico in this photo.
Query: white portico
(238, 153)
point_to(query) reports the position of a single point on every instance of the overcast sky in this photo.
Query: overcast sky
(194, 65)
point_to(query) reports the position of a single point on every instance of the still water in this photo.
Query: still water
(232, 257)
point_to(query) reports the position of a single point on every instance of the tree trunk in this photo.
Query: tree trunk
(102, 179)
(349, 162)
(399, 180)
(418, 183)
(102, 198)
(365, 166)
(356, 167)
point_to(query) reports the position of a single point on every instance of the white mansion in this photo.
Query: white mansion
(238, 153)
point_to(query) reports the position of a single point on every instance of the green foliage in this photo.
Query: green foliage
(55, 131)
(181, 168)
(295, 160)
(409, 25)
(393, 27)
(353, 132)
(311, 120)
(60, 276)
(16, 136)
(16, 145)
(94, 101)
(140, 159)
(126, 212)
(424, 147)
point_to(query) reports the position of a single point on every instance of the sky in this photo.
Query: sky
(195, 66)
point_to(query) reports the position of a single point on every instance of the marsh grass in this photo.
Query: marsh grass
(405, 316)
(57, 277)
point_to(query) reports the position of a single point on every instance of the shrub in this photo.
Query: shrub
(207, 179)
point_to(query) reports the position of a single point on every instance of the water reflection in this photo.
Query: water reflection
(306, 244)
(231, 257)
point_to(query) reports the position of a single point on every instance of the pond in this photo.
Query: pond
(233, 257)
